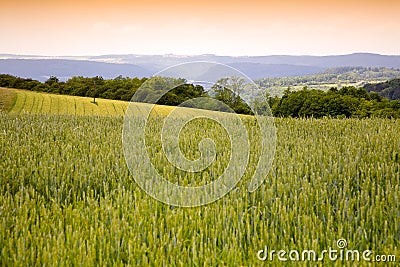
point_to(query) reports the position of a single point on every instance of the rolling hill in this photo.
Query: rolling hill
(17, 101)
(43, 103)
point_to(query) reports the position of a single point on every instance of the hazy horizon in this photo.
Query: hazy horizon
(225, 28)
(195, 55)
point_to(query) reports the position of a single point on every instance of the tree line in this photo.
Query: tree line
(345, 102)
(124, 88)
(119, 88)
(389, 89)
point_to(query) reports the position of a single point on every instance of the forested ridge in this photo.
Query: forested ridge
(345, 102)
(389, 89)
(334, 76)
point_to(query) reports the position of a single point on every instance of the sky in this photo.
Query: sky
(222, 27)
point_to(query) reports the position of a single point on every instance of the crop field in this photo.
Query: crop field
(68, 198)
(42, 103)
(7, 99)
(279, 90)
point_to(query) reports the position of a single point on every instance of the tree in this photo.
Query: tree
(228, 90)
(52, 80)
(97, 81)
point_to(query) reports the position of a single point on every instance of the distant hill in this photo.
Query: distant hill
(110, 66)
(335, 76)
(332, 77)
(356, 59)
(259, 70)
(42, 69)
(389, 89)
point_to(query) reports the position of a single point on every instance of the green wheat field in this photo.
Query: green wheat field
(67, 197)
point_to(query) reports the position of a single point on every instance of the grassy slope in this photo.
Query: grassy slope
(19, 101)
(43, 103)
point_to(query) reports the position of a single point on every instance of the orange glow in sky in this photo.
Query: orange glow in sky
(88, 27)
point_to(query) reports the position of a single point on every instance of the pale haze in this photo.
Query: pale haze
(234, 28)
